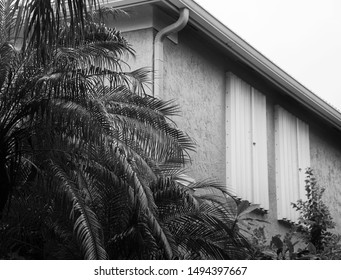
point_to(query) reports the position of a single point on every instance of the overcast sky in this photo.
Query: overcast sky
(302, 37)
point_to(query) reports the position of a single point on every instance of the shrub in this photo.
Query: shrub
(315, 218)
(312, 229)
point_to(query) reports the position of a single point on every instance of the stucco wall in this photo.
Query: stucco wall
(195, 78)
(142, 43)
(326, 163)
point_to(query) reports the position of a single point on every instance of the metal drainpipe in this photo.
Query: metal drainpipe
(158, 49)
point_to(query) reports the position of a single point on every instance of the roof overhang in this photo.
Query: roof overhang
(226, 38)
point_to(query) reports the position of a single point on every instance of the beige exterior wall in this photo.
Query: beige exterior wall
(195, 77)
(325, 156)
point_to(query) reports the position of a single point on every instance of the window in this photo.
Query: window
(292, 159)
(246, 142)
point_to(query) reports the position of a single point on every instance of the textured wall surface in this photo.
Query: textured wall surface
(195, 78)
(326, 163)
(142, 43)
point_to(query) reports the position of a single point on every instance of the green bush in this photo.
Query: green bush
(312, 229)
(315, 218)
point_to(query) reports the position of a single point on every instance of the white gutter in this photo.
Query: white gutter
(158, 49)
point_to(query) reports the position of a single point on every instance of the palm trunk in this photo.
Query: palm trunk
(4, 186)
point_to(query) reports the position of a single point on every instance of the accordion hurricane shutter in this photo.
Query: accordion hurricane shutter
(292, 159)
(246, 142)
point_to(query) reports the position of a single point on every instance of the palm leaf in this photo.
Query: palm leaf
(86, 226)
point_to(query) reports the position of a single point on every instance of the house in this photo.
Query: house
(257, 128)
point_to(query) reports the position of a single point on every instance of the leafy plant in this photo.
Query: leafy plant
(315, 218)
(312, 229)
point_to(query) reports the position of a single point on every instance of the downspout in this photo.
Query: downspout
(158, 49)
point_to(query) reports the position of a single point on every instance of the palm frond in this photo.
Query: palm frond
(41, 22)
(7, 20)
(86, 226)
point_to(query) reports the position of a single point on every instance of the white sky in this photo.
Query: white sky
(302, 37)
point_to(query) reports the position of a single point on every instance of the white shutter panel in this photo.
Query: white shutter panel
(239, 136)
(259, 150)
(292, 155)
(303, 154)
(246, 142)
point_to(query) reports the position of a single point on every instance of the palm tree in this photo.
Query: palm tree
(16, 66)
(89, 163)
(60, 121)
